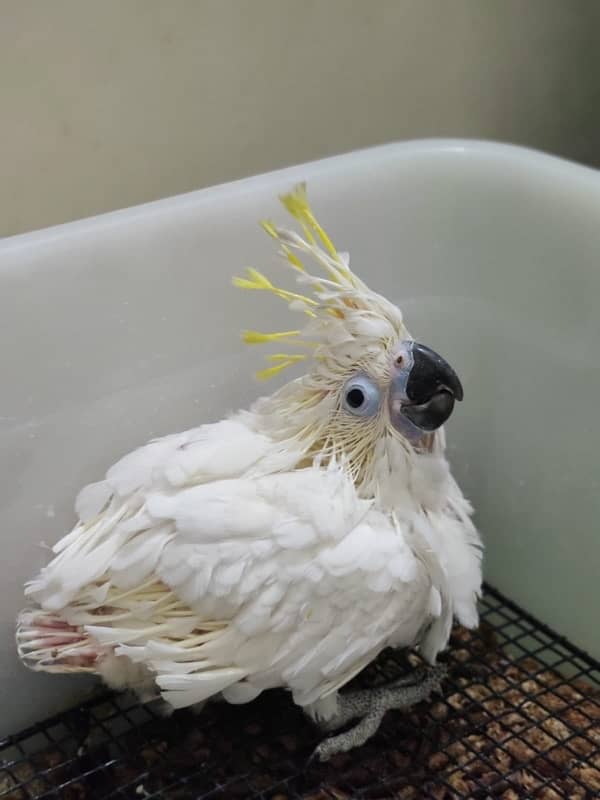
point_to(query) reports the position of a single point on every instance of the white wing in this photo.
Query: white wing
(313, 582)
(235, 584)
(225, 449)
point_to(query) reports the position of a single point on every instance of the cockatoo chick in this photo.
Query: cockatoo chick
(289, 544)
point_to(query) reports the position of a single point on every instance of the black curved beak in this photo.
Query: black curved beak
(425, 388)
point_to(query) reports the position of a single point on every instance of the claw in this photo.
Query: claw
(320, 754)
(316, 756)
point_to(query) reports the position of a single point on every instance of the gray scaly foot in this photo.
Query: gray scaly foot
(371, 704)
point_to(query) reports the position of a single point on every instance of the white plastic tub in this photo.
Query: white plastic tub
(124, 327)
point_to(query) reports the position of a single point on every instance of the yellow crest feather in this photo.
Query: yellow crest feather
(296, 203)
(256, 337)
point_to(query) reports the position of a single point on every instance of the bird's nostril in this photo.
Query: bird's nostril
(399, 361)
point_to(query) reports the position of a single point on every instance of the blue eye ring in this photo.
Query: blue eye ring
(361, 396)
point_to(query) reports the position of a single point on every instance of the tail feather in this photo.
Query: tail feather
(144, 639)
(46, 643)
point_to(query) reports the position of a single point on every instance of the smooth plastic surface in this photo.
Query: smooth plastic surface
(124, 327)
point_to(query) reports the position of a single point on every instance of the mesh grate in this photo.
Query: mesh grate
(519, 718)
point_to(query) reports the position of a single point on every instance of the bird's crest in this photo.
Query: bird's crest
(340, 306)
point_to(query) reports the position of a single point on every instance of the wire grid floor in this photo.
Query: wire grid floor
(518, 717)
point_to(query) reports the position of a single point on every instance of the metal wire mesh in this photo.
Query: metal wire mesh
(519, 717)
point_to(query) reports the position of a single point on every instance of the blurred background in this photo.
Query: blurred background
(113, 103)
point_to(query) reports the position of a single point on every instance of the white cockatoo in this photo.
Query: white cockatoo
(286, 545)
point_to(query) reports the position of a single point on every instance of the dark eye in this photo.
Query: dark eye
(361, 396)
